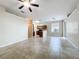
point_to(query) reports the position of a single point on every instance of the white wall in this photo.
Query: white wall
(12, 28)
(72, 25)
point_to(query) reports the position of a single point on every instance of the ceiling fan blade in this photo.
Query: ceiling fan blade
(21, 0)
(36, 5)
(21, 7)
(30, 9)
(22, 11)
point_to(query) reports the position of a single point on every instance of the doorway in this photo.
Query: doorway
(39, 30)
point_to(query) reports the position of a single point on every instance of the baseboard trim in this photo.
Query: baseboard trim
(74, 45)
(11, 43)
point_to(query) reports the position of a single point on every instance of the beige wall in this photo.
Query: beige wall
(30, 28)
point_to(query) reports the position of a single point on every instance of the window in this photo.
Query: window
(55, 27)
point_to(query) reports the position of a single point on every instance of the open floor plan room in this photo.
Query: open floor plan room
(39, 29)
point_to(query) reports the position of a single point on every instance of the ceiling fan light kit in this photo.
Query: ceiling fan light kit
(28, 4)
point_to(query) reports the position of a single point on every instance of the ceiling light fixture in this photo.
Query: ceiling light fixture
(37, 22)
(26, 4)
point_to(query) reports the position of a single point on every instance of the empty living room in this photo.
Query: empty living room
(39, 29)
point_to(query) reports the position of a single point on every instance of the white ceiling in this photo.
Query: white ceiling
(57, 9)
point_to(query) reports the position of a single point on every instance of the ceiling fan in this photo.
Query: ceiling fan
(27, 3)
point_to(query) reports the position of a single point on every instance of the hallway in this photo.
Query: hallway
(50, 48)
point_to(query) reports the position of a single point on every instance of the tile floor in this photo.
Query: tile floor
(50, 48)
